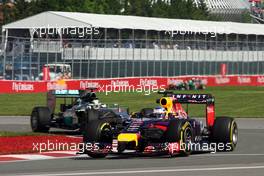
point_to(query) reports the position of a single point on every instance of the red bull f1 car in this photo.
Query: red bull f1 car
(167, 129)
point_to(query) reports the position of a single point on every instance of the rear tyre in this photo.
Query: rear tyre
(225, 131)
(40, 119)
(180, 130)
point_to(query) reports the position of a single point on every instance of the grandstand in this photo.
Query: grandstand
(228, 10)
(129, 46)
(257, 11)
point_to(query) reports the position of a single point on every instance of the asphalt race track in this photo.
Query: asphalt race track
(248, 159)
(16, 123)
(22, 123)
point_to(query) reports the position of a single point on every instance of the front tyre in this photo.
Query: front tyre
(98, 131)
(96, 155)
(225, 131)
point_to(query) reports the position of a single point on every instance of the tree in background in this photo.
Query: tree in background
(7, 12)
(22, 9)
(245, 17)
(136, 7)
(113, 7)
(152, 8)
(160, 9)
(202, 11)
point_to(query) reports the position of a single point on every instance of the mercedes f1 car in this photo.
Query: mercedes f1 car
(74, 102)
(167, 129)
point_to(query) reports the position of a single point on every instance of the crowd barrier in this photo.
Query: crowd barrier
(12, 86)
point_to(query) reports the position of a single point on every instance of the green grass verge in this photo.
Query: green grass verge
(11, 134)
(230, 101)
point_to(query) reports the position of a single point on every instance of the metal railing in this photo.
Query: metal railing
(47, 46)
(128, 58)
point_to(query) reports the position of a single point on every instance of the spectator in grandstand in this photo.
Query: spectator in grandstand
(169, 46)
(176, 46)
(191, 84)
(65, 44)
(155, 46)
(257, 9)
(126, 45)
(116, 45)
(130, 45)
(163, 46)
(66, 75)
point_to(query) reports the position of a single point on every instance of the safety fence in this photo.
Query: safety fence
(126, 84)
(111, 58)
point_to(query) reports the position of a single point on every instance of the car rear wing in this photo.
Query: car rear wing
(194, 98)
(206, 99)
(66, 93)
(189, 98)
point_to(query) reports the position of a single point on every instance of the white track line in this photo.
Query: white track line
(226, 154)
(38, 156)
(30, 157)
(149, 171)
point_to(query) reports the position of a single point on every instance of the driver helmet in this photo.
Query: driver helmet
(160, 112)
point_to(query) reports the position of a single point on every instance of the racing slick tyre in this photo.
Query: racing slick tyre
(96, 155)
(180, 130)
(225, 131)
(98, 131)
(40, 119)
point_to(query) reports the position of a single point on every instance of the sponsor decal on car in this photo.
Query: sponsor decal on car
(190, 96)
